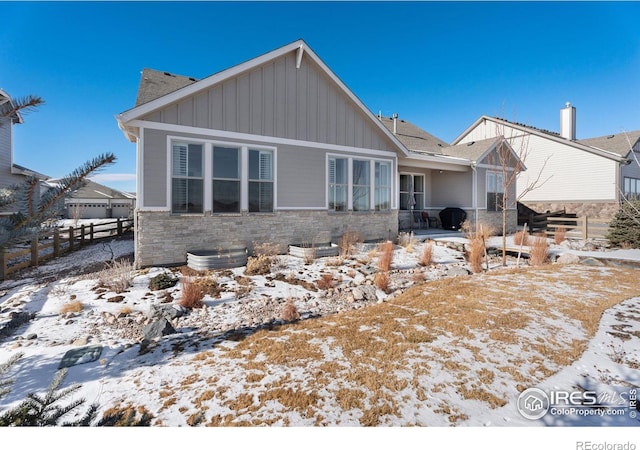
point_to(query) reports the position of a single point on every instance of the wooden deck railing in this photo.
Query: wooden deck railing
(59, 242)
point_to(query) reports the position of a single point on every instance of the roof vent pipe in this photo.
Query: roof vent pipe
(395, 123)
(568, 122)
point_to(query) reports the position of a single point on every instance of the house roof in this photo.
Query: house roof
(155, 84)
(609, 154)
(94, 190)
(21, 170)
(620, 144)
(414, 137)
(473, 151)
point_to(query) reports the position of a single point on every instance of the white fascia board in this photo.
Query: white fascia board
(259, 138)
(436, 162)
(593, 150)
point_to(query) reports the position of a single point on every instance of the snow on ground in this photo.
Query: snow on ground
(122, 375)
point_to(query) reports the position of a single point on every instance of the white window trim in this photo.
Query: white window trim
(208, 145)
(496, 173)
(424, 188)
(372, 161)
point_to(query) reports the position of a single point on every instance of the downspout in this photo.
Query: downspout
(475, 193)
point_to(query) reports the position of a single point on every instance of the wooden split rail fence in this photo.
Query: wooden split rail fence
(58, 243)
(578, 227)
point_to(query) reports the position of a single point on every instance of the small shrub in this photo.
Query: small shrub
(126, 310)
(386, 256)
(209, 286)
(476, 253)
(348, 242)
(72, 307)
(418, 277)
(326, 281)
(334, 262)
(258, 265)
(407, 241)
(266, 249)
(539, 251)
(191, 295)
(381, 281)
(426, 258)
(560, 235)
(289, 311)
(162, 281)
(521, 238)
(118, 276)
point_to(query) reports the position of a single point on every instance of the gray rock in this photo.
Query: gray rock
(168, 312)
(366, 293)
(157, 329)
(457, 271)
(592, 262)
(31, 336)
(568, 258)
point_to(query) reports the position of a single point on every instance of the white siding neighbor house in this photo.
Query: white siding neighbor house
(586, 177)
(10, 172)
(278, 149)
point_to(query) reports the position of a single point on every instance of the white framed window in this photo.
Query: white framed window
(361, 185)
(495, 191)
(411, 191)
(382, 194)
(187, 193)
(356, 184)
(338, 183)
(260, 181)
(631, 187)
(225, 187)
(220, 177)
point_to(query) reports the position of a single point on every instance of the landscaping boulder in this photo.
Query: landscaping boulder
(457, 271)
(157, 329)
(364, 293)
(592, 262)
(568, 258)
(168, 312)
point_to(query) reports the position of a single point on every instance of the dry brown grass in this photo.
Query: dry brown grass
(72, 307)
(560, 235)
(348, 242)
(192, 294)
(521, 238)
(258, 265)
(325, 281)
(476, 252)
(381, 280)
(539, 253)
(289, 311)
(385, 256)
(383, 357)
(117, 276)
(426, 258)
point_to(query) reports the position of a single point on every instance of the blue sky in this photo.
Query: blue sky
(440, 65)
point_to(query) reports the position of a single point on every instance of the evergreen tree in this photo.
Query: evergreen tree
(37, 212)
(625, 226)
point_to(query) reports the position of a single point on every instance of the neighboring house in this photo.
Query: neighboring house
(96, 201)
(278, 149)
(11, 173)
(585, 177)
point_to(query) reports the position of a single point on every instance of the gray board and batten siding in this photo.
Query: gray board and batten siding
(273, 100)
(276, 99)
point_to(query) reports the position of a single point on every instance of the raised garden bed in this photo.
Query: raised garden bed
(314, 251)
(217, 259)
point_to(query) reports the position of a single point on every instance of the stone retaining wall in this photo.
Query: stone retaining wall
(594, 210)
(165, 239)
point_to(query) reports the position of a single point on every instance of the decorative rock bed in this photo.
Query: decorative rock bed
(217, 259)
(315, 251)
